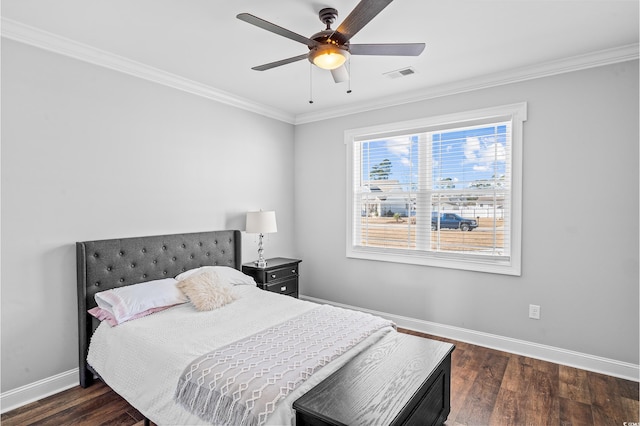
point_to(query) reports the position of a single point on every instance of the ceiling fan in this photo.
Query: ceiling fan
(330, 49)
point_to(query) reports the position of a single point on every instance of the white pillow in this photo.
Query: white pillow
(225, 273)
(126, 302)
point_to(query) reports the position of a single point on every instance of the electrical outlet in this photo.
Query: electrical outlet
(534, 311)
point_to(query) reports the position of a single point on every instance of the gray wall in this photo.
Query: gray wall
(89, 153)
(580, 220)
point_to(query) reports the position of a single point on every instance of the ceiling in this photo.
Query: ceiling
(467, 42)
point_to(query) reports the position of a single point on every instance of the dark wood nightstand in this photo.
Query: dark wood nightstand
(279, 276)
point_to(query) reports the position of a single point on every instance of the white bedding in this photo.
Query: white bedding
(142, 360)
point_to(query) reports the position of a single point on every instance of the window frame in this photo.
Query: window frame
(517, 113)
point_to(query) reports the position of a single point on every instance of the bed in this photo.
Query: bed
(147, 360)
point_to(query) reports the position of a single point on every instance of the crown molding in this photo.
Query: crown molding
(17, 31)
(20, 32)
(546, 69)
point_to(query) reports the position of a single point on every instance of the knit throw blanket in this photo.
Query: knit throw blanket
(241, 383)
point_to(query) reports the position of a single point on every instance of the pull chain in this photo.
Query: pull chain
(310, 83)
(349, 71)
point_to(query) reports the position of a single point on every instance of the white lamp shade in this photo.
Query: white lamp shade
(261, 222)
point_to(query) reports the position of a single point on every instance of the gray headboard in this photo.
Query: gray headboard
(107, 264)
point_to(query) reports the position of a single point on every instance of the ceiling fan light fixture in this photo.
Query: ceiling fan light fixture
(328, 56)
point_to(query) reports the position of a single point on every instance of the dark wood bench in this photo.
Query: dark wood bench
(402, 380)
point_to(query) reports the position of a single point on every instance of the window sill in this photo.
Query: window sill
(503, 266)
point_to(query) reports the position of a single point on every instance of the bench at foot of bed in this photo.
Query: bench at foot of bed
(402, 380)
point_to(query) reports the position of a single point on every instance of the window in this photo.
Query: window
(441, 191)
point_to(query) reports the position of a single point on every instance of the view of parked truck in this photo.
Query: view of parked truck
(452, 221)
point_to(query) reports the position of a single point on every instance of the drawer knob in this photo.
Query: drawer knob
(273, 275)
(283, 288)
(293, 271)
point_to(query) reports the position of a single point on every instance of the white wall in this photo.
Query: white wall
(580, 266)
(89, 153)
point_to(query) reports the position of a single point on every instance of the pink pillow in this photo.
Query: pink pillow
(104, 315)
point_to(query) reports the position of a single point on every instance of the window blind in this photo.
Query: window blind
(444, 191)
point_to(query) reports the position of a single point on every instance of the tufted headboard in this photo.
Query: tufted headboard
(106, 264)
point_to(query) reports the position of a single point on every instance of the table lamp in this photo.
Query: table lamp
(261, 223)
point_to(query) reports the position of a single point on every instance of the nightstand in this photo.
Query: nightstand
(279, 276)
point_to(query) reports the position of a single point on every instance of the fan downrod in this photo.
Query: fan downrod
(328, 16)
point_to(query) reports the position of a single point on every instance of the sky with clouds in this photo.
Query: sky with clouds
(459, 158)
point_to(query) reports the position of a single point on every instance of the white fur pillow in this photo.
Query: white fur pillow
(207, 291)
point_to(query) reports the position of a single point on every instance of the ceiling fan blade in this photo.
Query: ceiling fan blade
(391, 49)
(340, 74)
(266, 25)
(360, 16)
(280, 62)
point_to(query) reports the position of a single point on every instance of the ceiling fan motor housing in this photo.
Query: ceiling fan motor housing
(329, 37)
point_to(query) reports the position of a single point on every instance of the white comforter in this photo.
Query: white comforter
(142, 360)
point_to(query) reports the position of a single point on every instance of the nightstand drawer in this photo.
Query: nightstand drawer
(276, 274)
(284, 287)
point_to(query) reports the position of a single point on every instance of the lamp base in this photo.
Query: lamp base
(261, 262)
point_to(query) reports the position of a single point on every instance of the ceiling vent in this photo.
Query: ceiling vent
(404, 72)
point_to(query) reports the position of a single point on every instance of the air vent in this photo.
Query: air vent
(404, 72)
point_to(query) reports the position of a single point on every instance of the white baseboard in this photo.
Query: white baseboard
(23, 395)
(32, 392)
(610, 367)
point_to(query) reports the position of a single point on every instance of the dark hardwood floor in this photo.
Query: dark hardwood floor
(488, 387)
